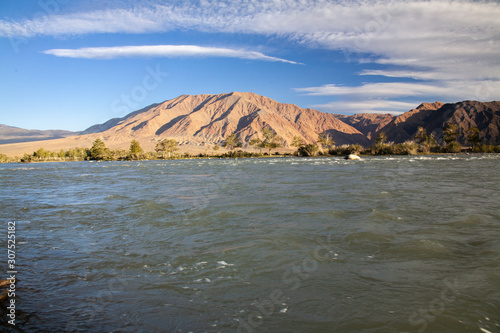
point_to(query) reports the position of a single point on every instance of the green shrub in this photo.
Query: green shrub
(308, 150)
(383, 149)
(99, 151)
(347, 150)
(240, 154)
(484, 148)
(406, 148)
(5, 159)
(453, 147)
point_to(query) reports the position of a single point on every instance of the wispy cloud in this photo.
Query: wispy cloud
(375, 90)
(443, 44)
(169, 51)
(386, 96)
(366, 106)
(454, 39)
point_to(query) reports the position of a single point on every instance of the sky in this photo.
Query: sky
(70, 64)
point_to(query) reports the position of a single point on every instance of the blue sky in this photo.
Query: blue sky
(68, 64)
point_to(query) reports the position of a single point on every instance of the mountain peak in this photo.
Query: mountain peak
(434, 116)
(430, 106)
(207, 119)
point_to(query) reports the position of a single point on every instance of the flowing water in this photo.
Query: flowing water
(385, 244)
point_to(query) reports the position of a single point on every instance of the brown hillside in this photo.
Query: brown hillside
(205, 120)
(10, 134)
(198, 122)
(367, 123)
(433, 117)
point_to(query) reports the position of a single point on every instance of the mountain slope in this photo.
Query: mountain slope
(198, 122)
(434, 116)
(205, 120)
(10, 134)
(367, 123)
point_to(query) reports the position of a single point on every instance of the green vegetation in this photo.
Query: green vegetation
(99, 151)
(232, 142)
(450, 134)
(304, 149)
(422, 143)
(426, 143)
(325, 141)
(271, 139)
(308, 150)
(6, 159)
(257, 143)
(473, 137)
(135, 148)
(169, 146)
(297, 142)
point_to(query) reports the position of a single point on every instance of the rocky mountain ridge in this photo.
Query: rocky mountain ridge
(11, 134)
(434, 116)
(198, 122)
(206, 120)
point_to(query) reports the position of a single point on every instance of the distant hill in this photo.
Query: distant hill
(198, 122)
(206, 120)
(114, 122)
(367, 123)
(10, 134)
(434, 116)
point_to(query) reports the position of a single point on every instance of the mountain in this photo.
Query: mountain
(10, 134)
(114, 122)
(198, 122)
(367, 123)
(434, 116)
(206, 120)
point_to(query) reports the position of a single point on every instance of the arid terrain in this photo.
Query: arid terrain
(198, 122)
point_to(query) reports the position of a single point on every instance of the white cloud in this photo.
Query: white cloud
(457, 39)
(446, 45)
(366, 106)
(161, 51)
(375, 90)
(383, 97)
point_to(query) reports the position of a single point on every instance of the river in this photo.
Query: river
(385, 244)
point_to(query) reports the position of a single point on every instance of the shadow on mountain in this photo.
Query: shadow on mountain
(341, 138)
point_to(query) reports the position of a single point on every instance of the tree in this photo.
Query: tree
(450, 133)
(167, 146)
(215, 148)
(135, 147)
(232, 142)
(297, 142)
(258, 143)
(325, 141)
(41, 154)
(473, 137)
(308, 150)
(27, 158)
(381, 138)
(421, 135)
(426, 142)
(271, 139)
(99, 151)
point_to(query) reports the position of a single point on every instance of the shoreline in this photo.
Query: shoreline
(251, 155)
